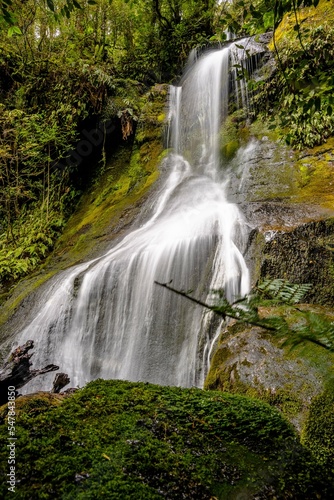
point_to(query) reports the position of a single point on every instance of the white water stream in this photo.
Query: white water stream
(106, 318)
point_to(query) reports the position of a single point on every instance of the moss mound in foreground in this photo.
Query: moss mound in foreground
(121, 440)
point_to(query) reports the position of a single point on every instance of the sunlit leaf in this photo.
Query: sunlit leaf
(14, 30)
(268, 19)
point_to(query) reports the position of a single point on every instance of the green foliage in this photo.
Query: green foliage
(282, 291)
(117, 439)
(307, 84)
(9, 16)
(60, 63)
(166, 32)
(33, 236)
(301, 92)
(307, 326)
(251, 17)
(32, 196)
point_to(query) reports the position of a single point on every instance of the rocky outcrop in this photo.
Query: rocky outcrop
(287, 199)
(303, 255)
(249, 360)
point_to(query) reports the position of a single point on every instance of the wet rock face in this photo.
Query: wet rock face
(304, 255)
(262, 170)
(248, 362)
(287, 199)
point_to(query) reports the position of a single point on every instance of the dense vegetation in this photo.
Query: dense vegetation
(116, 439)
(74, 71)
(301, 90)
(67, 66)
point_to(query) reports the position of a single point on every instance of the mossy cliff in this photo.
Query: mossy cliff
(289, 203)
(115, 439)
(309, 17)
(105, 211)
(287, 199)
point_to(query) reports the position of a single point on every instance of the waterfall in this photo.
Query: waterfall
(107, 318)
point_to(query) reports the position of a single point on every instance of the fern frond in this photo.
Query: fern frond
(283, 291)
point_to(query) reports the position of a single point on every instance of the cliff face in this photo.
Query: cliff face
(287, 198)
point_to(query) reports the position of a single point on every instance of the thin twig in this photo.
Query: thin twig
(223, 314)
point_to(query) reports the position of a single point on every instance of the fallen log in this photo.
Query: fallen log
(16, 371)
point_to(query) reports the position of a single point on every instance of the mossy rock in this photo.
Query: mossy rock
(303, 255)
(116, 439)
(309, 18)
(32, 404)
(229, 138)
(250, 361)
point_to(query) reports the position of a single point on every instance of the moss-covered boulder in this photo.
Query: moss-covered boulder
(252, 361)
(115, 439)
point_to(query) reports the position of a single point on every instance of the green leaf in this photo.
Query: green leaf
(268, 19)
(14, 30)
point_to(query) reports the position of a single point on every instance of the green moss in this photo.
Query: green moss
(117, 439)
(308, 17)
(15, 297)
(32, 404)
(259, 128)
(218, 376)
(229, 138)
(318, 434)
(314, 172)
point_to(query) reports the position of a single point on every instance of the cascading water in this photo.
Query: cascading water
(107, 318)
